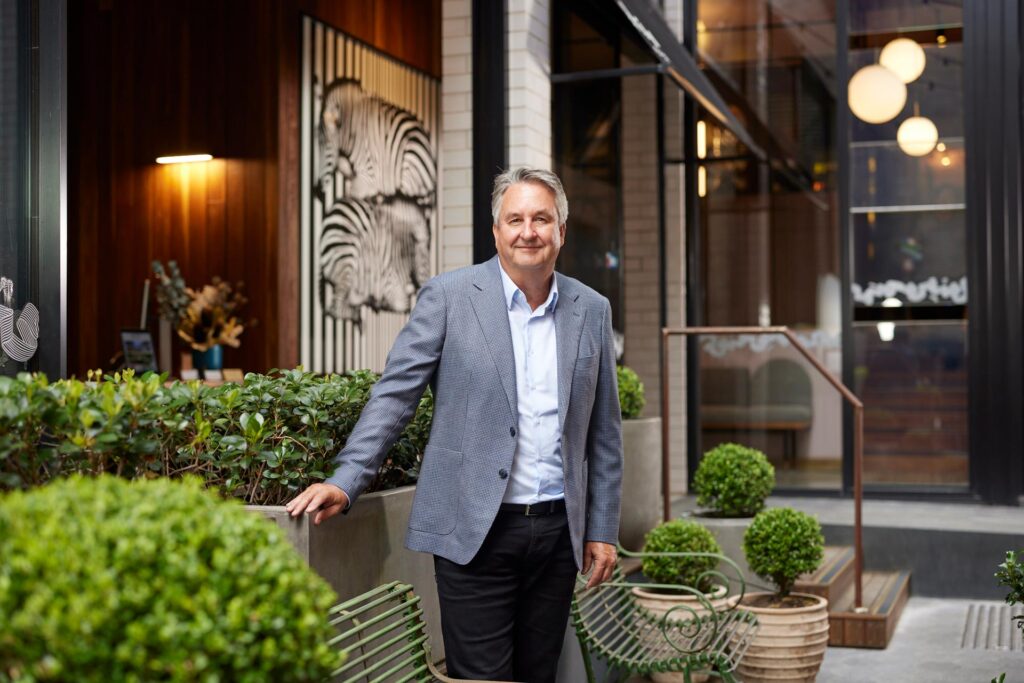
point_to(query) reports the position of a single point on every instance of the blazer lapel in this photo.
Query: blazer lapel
(488, 300)
(569, 321)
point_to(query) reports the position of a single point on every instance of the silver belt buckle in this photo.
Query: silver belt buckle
(529, 508)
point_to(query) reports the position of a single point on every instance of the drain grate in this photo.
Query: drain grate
(990, 627)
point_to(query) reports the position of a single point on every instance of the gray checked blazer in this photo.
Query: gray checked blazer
(458, 340)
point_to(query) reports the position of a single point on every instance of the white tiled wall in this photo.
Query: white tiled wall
(456, 238)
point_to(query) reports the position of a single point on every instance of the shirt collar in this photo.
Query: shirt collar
(511, 290)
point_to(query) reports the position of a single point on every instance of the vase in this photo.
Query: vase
(211, 359)
(790, 645)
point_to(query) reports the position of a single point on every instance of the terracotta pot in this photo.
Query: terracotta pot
(790, 644)
(660, 603)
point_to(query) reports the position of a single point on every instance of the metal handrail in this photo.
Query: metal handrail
(849, 396)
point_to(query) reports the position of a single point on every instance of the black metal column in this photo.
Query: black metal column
(490, 118)
(694, 257)
(992, 60)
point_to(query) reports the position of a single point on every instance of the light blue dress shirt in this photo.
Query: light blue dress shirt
(537, 465)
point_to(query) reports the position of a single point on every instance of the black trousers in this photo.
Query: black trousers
(503, 615)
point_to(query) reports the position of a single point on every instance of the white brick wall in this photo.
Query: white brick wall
(456, 238)
(529, 83)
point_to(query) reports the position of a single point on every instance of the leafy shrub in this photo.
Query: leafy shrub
(102, 579)
(781, 544)
(631, 393)
(261, 441)
(680, 536)
(1011, 575)
(734, 480)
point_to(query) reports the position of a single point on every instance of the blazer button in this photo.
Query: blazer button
(512, 431)
(503, 473)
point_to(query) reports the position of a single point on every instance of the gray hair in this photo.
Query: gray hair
(546, 178)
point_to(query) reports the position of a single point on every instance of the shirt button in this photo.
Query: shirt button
(503, 473)
(512, 431)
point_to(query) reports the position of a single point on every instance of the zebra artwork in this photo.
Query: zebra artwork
(369, 183)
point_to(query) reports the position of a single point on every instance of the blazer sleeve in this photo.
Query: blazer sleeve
(604, 445)
(393, 401)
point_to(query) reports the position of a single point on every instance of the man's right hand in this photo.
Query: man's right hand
(326, 500)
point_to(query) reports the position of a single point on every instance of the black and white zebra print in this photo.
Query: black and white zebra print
(381, 150)
(374, 254)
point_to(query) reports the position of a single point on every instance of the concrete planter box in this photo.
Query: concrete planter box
(641, 480)
(365, 548)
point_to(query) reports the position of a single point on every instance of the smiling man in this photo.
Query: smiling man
(519, 486)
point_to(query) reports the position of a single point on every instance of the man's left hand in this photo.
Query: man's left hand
(598, 561)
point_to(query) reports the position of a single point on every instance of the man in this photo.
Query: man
(519, 486)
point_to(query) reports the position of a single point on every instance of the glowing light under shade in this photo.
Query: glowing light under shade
(904, 57)
(876, 95)
(702, 139)
(917, 136)
(183, 159)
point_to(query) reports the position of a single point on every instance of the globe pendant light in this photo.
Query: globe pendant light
(904, 57)
(876, 95)
(917, 135)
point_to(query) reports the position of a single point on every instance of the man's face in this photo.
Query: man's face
(527, 235)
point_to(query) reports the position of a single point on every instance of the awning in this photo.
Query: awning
(682, 68)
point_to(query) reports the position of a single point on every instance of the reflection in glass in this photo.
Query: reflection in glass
(912, 378)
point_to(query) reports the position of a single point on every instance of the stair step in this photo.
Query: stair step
(884, 597)
(833, 577)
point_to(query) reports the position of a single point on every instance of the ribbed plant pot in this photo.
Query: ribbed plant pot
(660, 603)
(641, 480)
(790, 644)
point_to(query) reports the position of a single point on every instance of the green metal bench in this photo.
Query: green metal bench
(706, 636)
(383, 633)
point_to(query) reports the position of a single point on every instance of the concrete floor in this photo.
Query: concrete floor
(925, 648)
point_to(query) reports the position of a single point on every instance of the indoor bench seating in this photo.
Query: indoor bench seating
(385, 638)
(708, 637)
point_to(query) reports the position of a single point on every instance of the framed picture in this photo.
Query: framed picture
(138, 350)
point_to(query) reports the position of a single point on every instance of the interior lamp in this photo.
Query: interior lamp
(183, 158)
(917, 136)
(904, 57)
(876, 95)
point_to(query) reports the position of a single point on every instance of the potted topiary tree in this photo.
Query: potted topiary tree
(700, 587)
(780, 545)
(732, 482)
(102, 579)
(641, 471)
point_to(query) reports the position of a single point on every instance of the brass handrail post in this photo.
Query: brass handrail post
(849, 396)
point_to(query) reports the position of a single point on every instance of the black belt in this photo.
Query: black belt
(547, 507)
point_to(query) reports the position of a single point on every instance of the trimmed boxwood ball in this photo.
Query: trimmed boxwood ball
(680, 536)
(733, 480)
(154, 580)
(631, 393)
(781, 544)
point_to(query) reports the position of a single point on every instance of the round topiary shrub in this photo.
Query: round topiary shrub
(631, 393)
(733, 480)
(680, 536)
(153, 580)
(781, 544)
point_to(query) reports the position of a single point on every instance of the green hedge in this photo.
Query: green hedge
(781, 544)
(680, 536)
(631, 393)
(102, 579)
(733, 480)
(261, 441)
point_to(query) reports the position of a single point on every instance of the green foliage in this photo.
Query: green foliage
(261, 441)
(680, 536)
(734, 480)
(1011, 575)
(631, 393)
(781, 544)
(102, 579)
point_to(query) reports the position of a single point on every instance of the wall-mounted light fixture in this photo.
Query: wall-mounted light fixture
(183, 159)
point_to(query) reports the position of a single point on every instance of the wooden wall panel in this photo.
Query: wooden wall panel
(152, 77)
